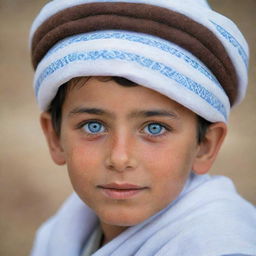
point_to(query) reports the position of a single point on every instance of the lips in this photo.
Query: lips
(121, 191)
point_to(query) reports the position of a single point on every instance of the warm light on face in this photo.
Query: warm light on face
(129, 151)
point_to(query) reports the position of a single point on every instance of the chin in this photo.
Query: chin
(123, 218)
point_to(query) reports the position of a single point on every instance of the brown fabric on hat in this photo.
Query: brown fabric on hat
(161, 22)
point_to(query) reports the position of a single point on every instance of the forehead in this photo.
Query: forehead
(106, 93)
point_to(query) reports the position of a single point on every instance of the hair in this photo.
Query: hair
(55, 108)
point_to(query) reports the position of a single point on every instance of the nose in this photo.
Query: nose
(120, 156)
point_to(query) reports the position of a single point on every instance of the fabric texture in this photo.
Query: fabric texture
(143, 18)
(144, 59)
(207, 219)
(211, 73)
(93, 243)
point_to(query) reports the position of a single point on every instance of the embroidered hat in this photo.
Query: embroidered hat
(181, 49)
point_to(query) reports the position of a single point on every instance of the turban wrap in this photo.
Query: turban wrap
(181, 49)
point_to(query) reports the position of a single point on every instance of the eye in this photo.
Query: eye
(154, 129)
(93, 127)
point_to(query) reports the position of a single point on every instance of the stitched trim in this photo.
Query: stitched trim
(232, 40)
(138, 39)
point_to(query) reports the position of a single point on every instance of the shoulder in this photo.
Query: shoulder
(209, 218)
(42, 238)
(64, 233)
(215, 219)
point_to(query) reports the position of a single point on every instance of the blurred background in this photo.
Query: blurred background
(31, 186)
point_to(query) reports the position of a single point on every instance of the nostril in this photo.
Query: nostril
(120, 163)
(120, 156)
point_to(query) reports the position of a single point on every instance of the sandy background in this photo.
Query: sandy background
(31, 186)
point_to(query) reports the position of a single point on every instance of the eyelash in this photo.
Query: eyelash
(163, 126)
(82, 124)
(145, 125)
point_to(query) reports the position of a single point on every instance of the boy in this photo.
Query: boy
(135, 98)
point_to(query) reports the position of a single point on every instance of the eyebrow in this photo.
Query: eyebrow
(151, 113)
(133, 114)
(93, 111)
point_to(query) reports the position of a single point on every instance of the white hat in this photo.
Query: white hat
(182, 49)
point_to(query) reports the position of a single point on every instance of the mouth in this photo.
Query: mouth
(121, 191)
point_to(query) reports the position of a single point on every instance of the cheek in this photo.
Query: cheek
(82, 164)
(169, 166)
(81, 157)
(168, 159)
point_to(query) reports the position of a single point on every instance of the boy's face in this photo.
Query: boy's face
(128, 151)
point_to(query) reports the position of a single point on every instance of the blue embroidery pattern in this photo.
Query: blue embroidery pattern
(140, 60)
(233, 41)
(139, 39)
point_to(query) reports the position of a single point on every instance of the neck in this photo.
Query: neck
(110, 232)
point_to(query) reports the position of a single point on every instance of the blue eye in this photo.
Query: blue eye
(93, 127)
(154, 129)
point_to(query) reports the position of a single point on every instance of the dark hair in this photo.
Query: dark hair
(55, 108)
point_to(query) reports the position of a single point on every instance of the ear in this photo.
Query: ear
(209, 148)
(53, 139)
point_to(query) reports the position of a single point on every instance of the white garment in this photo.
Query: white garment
(93, 243)
(208, 218)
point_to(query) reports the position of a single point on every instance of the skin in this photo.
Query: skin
(124, 150)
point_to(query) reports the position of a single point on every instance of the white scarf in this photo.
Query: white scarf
(207, 219)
